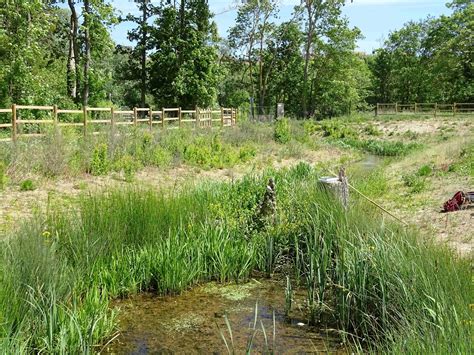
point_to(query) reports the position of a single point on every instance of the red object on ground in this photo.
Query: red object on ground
(455, 203)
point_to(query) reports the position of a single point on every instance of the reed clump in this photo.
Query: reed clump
(384, 287)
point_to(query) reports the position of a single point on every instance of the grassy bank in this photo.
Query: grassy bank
(383, 287)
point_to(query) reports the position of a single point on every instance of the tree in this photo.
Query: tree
(249, 36)
(318, 17)
(141, 35)
(184, 68)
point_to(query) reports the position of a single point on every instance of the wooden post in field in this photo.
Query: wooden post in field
(162, 118)
(222, 117)
(84, 113)
(454, 109)
(14, 122)
(112, 117)
(436, 109)
(55, 115)
(396, 107)
(197, 116)
(135, 116)
(416, 107)
(209, 119)
(376, 110)
(179, 116)
(236, 115)
(150, 118)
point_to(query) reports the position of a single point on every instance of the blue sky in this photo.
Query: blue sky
(376, 18)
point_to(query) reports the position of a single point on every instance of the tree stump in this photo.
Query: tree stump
(337, 186)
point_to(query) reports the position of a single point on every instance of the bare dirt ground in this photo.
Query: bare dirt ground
(423, 209)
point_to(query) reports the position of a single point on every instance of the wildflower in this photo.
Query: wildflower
(46, 234)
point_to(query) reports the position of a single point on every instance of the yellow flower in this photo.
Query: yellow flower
(46, 234)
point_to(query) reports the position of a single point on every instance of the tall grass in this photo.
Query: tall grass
(383, 287)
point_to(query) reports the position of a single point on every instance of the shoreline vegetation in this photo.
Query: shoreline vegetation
(379, 284)
(384, 287)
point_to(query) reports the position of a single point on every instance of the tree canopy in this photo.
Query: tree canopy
(61, 52)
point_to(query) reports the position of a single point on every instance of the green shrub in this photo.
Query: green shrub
(336, 129)
(27, 185)
(311, 127)
(128, 165)
(160, 157)
(415, 182)
(100, 160)
(381, 147)
(372, 130)
(3, 175)
(282, 133)
(425, 170)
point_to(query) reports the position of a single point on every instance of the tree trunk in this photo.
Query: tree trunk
(309, 40)
(87, 52)
(73, 55)
(143, 53)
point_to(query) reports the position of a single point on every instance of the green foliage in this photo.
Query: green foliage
(129, 165)
(184, 54)
(161, 157)
(464, 164)
(372, 130)
(336, 129)
(3, 175)
(27, 185)
(282, 132)
(60, 271)
(425, 170)
(425, 61)
(415, 182)
(383, 148)
(100, 161)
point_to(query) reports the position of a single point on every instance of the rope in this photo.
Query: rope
(373, 202)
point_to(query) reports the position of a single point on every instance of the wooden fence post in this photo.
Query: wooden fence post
(415, 107)
(162, 118)
(112, 117)
(197, 116)
(179, 116)
(454, 109)
(376, 110)
(222, 117)
(396, 107)
(55, 115)
(84, 113)
(236, 115)
(150, 118)
(135, 116)
(436, 109)
(14, 123)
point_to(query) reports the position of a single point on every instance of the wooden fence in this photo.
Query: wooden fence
(89, 117)
(424, 108)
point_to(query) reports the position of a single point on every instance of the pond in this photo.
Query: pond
(195, 322)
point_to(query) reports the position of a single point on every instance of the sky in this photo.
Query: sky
(375, 18)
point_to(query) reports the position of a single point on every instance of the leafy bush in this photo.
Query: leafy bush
(415, 182)
(425, 170)
(384, 148)
(282, 133)
(336, 129)
(372, 130)
(100, 161)
(27, 185)
(160, 157)
(3, 175)
(128, 165)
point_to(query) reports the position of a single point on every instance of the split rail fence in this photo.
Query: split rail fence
(89, 117)
(424, 108)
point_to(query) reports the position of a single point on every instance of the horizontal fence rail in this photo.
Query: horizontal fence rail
(24, 125)
(424, 108)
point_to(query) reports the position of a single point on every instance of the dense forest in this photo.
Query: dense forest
(61, 52)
